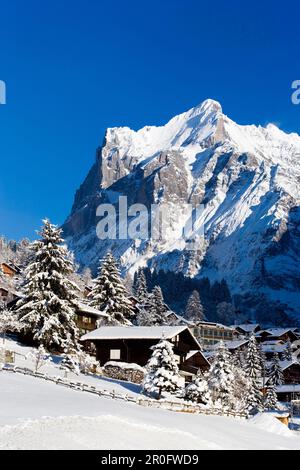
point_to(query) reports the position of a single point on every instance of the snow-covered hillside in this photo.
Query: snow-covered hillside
(40, 415)
(247, 177)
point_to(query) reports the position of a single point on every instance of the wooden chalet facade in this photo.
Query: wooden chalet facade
(133, 344)
(9, 270)
(88, 318)
(278, 334)
(208, 333)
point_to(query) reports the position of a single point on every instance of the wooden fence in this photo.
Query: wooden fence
(180, 406)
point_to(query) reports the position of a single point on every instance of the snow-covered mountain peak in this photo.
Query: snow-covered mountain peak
(246, 176)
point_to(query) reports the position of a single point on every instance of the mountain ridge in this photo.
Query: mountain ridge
(247, 177)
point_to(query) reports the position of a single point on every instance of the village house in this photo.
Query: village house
(278, 334)
(9, 270)
(88, 318)
(208, 333)
(248, 328)
(291, 371)
(133, 344)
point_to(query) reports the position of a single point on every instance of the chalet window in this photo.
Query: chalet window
(115, 354)
(86, 320)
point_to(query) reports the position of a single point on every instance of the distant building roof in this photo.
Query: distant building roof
(232, 344)
(247, 327)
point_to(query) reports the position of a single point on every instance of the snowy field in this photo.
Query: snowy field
(40, 415)
(35, 414)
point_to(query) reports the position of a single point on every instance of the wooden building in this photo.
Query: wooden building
(133, 344)
(278, 334)
(247, 328)
(88, 318)
(208, 333)
(9, 269)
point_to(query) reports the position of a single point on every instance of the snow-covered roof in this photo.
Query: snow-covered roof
(286, 388)
(83, 308)
(134, 332)
(192, 353)
(276, 348)
(285, 364)
(278, 331)
(247, 327)
(232, 344)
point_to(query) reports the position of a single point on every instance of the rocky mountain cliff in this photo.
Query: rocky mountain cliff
(246, 177)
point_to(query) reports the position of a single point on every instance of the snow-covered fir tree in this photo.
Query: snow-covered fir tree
(221, 378)
(275, 371)
(40, 358)
(194, 309)
(254, 371)
(162, 371)
(70, 362)
(8, 322)
(254, 397)
(86, 362)
(288, 352)
(270, 399)
(46, 312)
(109, 294)
(160, 309)
(140, 287)
(198, 390)
(153, 311)
(253, 367)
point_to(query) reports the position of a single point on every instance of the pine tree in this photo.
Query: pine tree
(275, 371)
(254, 398)
(242, 388)
(8, 322)
(288, 352)
(221, 378)
(253, 367)
(162, 371)
(109, 294)
(198, 390)
(194, 310)
(270, 399)
(140, 287)
(70, 362)
(46, 312)
(159, 307)
(154, 311)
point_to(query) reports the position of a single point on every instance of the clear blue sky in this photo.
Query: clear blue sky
(73, 68)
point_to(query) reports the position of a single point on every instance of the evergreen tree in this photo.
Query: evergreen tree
(275, 371)
(162, 370)
(140, 287)
(46, 312)
(270, 400)
(253, 367)
(109, 294)
(154, 311)
(159, 308)
(288, 352)
(194, 310)
(8, 322)
(254, 398)
(242, 388)
(70, 362)
(198, 390)
(221, 378)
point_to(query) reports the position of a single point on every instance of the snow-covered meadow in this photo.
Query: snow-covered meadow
(36, 414)
(40, 415)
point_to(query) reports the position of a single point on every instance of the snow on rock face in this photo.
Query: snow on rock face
(246, 176)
